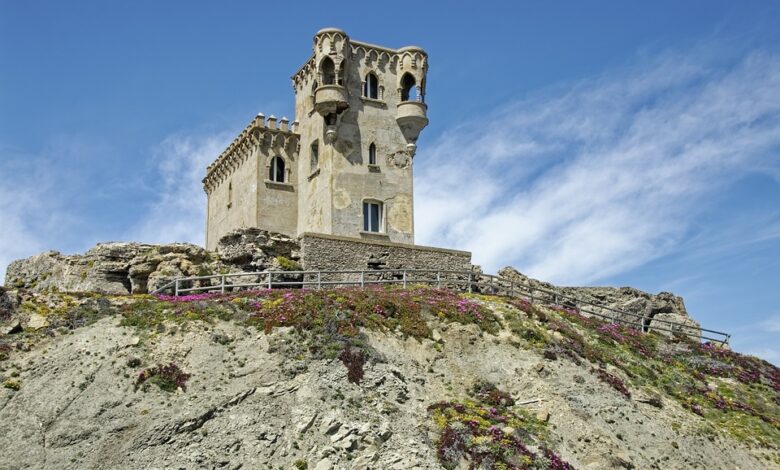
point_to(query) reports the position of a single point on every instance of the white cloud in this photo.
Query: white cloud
(582, 184)
(178, 211)
(34, 209)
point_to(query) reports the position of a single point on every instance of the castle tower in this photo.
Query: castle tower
(361, 108)
(344, 166)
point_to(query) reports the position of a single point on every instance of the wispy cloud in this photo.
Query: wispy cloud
(178, 207)
(586, 182)
(37, 200)
(761, 338)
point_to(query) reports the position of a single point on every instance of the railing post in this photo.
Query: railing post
(438, 279)
(319, 280)
(470, 275)
(404, 279)
(269, 279)
(222, 285)
(511, 288)
(362, 279)
(176, 288)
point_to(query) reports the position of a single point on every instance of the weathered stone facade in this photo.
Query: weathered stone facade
(359, 110)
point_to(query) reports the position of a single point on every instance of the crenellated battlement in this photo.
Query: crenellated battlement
(336, 44)
(258, 133)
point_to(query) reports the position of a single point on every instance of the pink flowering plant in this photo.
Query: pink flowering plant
(727, 388)
(487, 432)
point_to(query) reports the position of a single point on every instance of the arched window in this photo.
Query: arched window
(328, 70)
(315, 155)
(372, 154)
(276, 170)
(408, 91)
(371, 87)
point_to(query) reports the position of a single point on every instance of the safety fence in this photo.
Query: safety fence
(462, 281)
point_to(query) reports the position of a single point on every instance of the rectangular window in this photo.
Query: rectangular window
(315, 156)
(372, 217)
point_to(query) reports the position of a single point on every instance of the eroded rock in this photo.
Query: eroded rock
(122, 268)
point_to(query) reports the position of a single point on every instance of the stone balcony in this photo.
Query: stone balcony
(330, 99)
(412, 118)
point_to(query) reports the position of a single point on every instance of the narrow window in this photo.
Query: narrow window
(276, 171)
(230, 195)
(372, 154)
(371, 87)
(315, 155)
(372, 216)
(328, 71)
(408, 91)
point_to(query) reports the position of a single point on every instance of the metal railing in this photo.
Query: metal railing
(465, 281)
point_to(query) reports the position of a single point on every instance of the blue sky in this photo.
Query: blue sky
(584, 143)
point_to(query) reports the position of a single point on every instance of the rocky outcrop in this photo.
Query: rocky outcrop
(653, 310)
(122, 268)
(70, 400)
(8, 303)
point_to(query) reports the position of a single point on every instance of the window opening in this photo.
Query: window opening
(371, 87)
(408, 90)
(372, 216)
(276, 171)
(328, 70)
(372, 154)
(315, 155)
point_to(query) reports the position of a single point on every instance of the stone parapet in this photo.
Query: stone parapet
(320, 252)
(258, 133)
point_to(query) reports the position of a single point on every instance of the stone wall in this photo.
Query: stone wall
(332, 252)
(239, 191)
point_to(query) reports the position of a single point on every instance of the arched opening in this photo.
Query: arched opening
(371, 87)
(315, 155)
(408, 90)
(276, 170)
(328, 71)
(372, 154)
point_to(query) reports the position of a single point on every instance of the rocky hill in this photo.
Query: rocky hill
(364, 378)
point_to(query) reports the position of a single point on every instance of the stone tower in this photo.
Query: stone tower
(344, 166)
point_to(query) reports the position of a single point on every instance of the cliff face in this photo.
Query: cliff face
(366, 378)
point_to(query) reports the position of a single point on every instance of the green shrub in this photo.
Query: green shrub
(168, 377)
(14, 385)
(287, 264)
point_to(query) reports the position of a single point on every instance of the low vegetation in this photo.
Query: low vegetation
(731, 391)
(487, 431)
(728, 391)
(168, 378)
